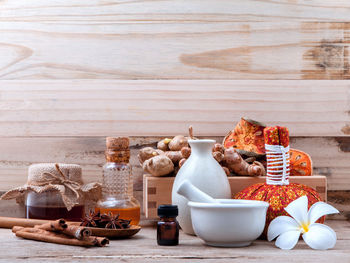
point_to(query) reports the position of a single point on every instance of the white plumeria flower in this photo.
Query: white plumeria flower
(288, 229)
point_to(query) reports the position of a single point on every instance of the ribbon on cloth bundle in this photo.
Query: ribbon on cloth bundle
(277, 155)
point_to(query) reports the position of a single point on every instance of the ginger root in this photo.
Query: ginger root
(182, 161)
(159, 165)
(147, 153)
(235, 163)
(165, 158)
(174, 156)
(171, 154)
(177, 143)
(164, 144)
(186, 152)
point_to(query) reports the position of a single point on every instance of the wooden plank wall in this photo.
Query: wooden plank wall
(175, 39)
(73, 72)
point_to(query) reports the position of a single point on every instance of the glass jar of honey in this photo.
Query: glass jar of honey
(55, 190)
(48, 185)
(49, 205)
(117, 183)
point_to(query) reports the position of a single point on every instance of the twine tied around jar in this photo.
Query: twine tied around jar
(63, 178)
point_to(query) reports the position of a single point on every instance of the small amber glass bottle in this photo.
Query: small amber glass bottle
(117, 184)
(168, 227)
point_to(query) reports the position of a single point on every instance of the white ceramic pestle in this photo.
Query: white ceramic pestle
(192, 193)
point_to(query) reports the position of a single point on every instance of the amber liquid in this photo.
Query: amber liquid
(52, 213)
(132, 213)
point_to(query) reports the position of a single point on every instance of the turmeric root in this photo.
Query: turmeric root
(147, 153)
(218, 156)
(177, 143)
(227, 171)
(250, 159)
(163, 144)
(158, 165)
(218, 148)
(235, 163)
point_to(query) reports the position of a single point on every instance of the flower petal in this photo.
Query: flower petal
(320, 209)
(288, 240)
(281, 225)
(298, 209)
(320, 236)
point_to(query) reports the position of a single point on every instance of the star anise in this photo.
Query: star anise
(114, 222)
(105, 219)
(95, 219)
(92, 219)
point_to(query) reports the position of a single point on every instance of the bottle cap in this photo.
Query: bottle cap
(168, 210)
(117, 143)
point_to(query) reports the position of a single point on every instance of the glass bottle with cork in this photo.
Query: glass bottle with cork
(117, 184)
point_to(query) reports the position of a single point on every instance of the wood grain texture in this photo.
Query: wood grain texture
(168, 107)
(49, 113)
(330, 157)
(142, 248)
(171, 39)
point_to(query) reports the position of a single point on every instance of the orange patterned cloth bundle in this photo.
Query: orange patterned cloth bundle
(277, 191)
(276, 135)
(247, 137)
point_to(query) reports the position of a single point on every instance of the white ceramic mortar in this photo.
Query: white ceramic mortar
(230, 222)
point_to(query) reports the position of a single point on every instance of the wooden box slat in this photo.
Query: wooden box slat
(157, 190)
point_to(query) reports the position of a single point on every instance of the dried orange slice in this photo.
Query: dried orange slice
(300, 163)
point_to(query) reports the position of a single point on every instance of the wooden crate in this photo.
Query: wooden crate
(157, 190)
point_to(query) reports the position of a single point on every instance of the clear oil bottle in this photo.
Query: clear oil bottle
(117, 184)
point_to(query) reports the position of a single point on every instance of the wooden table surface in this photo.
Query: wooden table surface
(143, 248)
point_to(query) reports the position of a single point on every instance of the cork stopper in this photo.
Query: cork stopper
(117, 149)
(117, 143)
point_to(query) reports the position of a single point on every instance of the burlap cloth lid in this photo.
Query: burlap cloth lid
(63, 178)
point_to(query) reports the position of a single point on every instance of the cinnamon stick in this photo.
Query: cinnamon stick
(58, 231)
(17, 228)
(100, 241)
(58, 238)
(67, 229)
(61, 233)
(9, 222)
(51, 237)
(78, 232)
(58, 225)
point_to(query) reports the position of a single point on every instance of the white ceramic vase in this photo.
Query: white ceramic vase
(204, 172)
